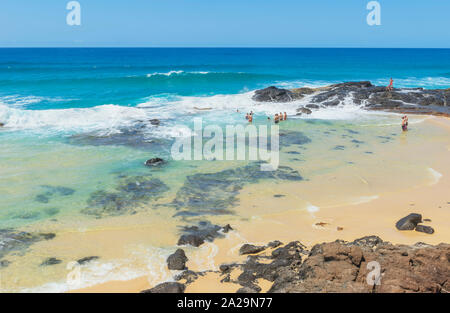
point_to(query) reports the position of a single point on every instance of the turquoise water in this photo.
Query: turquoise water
(77, 121)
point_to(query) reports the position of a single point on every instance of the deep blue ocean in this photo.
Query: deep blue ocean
(38, 79)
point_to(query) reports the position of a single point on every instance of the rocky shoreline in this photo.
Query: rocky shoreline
(368, 96)
(365, 265)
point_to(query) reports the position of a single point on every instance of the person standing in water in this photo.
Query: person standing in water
(276, 118)
(404, 123)
(285, 116)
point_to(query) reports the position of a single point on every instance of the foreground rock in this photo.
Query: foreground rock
(167, 288)
(402, 100)
(177, 260)
(411, 222)
(338, 266)
(196, 235)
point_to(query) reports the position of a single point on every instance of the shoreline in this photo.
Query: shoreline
(376, 217)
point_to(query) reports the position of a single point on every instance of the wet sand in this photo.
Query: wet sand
(264, 218)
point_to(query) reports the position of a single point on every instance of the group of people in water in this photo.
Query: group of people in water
(277, 117)
(404, 123)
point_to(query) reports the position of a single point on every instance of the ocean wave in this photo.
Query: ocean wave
(179, 72)
(21, 101)
(104, 117)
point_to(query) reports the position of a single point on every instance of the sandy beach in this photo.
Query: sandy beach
(329, 220)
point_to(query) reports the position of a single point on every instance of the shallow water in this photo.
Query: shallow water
(78, 132)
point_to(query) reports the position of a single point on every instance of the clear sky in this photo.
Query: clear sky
(225, 23)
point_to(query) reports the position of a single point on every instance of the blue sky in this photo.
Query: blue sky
(225, 23)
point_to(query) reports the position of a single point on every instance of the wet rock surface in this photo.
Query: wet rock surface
(12, 241)
(251, 249)
(87, 259)
(177, 260)
(274, 94)
(51, 261)
(404, 100)
(154, 162)
(196, 235)
(129, 194)
(409, 222)
(340, 266)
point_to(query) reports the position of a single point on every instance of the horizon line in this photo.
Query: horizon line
(208, 47)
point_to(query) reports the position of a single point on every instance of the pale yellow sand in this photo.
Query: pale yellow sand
(376, 216)
(365, 198)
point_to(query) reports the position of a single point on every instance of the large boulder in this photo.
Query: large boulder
(177, 261)
(274, 94)
(409, 222)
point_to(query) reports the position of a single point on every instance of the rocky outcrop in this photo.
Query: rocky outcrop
(274, 94)
(404, 100)
(367, 265)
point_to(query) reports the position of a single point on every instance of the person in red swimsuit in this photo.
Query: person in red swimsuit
(391, 85)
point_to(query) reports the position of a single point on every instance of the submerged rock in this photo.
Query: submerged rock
(196, 235)
(216, 193)
(50, 261)
(154, 162)
(87, 259)
(177, 260)
(409, 222)
(17, 241)
(129, 194)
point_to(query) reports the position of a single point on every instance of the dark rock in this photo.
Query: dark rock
(17, 241)
(192, 240)
(251, 249)
(188, 276)
(130, 193)
(4, 263)
(248, 290)
(2, 124)
(227, 228)
(303, 111)
(155, 122)
(274, 244)
(279, 196)
(274, 94)
(154, 162)
(312, 106)
(87, 259)
(51, 261)
(409, 222)
(177, 260)
(425, 229)
(216, 193)
(169, 287)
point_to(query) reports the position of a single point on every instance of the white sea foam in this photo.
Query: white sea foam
(104, 117)
(21, 101)
(173, 73)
